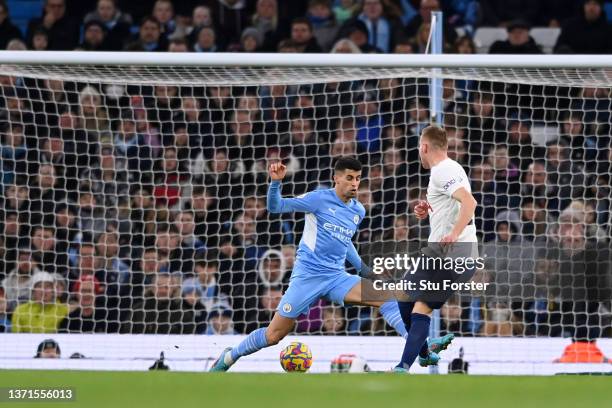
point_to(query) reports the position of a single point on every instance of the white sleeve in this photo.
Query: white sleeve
(451, 178)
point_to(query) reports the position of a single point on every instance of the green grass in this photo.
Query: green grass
(177, 390)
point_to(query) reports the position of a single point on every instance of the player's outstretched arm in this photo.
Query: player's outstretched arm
(466, 213)
(354, 259)
(277, 204)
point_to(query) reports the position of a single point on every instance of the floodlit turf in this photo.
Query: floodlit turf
(177, 390)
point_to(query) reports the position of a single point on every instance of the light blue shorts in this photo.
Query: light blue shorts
(305, 289)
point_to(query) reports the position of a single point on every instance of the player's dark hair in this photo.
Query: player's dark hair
(347, 163)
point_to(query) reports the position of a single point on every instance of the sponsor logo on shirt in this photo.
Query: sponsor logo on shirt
(332, 210)
(450, 182)
(337, 231)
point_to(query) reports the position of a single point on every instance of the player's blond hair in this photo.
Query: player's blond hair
(436, 136)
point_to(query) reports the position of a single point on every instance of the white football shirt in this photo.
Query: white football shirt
(447, 177)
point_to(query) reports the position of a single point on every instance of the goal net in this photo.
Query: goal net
(134, 196)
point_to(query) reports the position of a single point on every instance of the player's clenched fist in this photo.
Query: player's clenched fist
(421, 210)
(277, 171)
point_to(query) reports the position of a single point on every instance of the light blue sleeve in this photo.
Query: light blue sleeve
(276, 204)
(353, 257)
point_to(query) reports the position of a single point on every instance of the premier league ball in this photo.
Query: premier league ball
(296, 357)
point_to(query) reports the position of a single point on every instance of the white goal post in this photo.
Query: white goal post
(136, 182)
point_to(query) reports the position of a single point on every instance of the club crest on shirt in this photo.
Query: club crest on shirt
(356, 219)
(287, 307)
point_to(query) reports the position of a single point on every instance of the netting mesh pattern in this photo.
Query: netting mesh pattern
(134, 198)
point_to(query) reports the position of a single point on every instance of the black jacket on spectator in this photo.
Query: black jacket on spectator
(504, 47)
(8, 31)
(63, 35)
(231, 21)
(76, 322)
(578, 36)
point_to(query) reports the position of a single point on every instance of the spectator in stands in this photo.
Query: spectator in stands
(324, 26)
(108, 181)
(48, 349)
(533, 184)
(161, 311)
(303, 37)
(169, 179)
(63, 29)
(499, 13)
(206, 40)
(268, 227)
(357, 32)
(43, 313)
(345, 9)
(40, 39)
(369, 124)
(201, 16)
(8, 30)
(371, 228)
(519, 41)
(149, 37)
(220, 320)
(483, 125)
(381, 20)
(231, 17)
(192, 301)
(395, 184)
(163, 11)
(333, 320)
(251, 40)
(205, 282)
(267, 21)
(521, 149)
(424, 16)
(580, 283)
(345, 46)
(131, 146)
(565, 179)
(18, 284)
(93, 115)
(587, 33)
(16, 44)
(269, 300)
(94, 36)
(91, 217)
(115, 271)
(178, 45)
(575, 133)
(88, 316)
(49, 256)
(533, 218)
(117, 23)
(190, 245)
(506, 174)
(13, 151)
(16, 197)
(465, 45)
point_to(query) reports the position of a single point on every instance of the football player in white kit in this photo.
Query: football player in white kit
(450, 206)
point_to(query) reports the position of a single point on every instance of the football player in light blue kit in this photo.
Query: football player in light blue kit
(332, 218)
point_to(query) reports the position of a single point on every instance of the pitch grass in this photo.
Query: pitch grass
(177, 390)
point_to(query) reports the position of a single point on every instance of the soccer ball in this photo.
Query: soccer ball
(296, 357)
(349, 363)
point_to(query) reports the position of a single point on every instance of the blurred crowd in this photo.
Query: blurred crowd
(354, 26)
(141, 209)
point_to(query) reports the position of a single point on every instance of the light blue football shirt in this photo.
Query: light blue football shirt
(329, 227)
